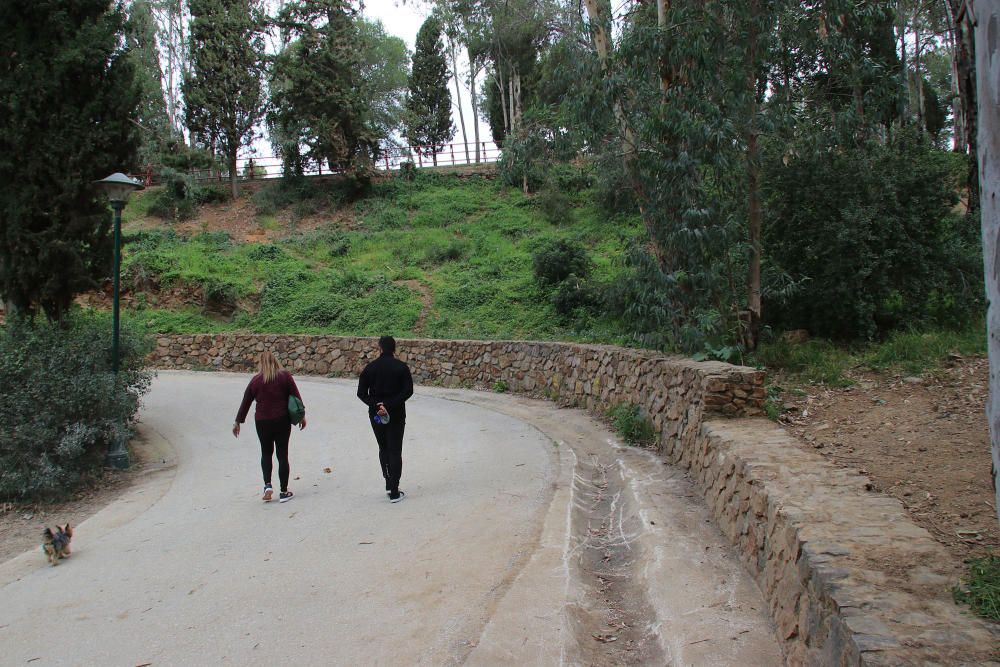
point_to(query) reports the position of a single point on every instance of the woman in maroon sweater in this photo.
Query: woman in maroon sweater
(271, 388)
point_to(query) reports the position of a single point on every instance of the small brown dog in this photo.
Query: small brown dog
(56, 543)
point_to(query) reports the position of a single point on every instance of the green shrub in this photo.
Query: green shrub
(181, 195)
(555, 205)
(572, 295)
(868, 235)
(631, 425)
(60, 405)
(451, 250)
(266, 253)
(555, 260)
(501, 387)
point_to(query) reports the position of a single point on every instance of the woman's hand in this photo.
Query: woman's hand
(236, 430)
(302, 424)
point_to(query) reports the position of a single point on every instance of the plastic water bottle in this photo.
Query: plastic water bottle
(379, 419)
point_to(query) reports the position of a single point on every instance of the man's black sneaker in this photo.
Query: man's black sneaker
(285, 496)
(396, 498)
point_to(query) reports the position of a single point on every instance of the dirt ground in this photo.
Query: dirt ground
(923, 440)
(240, 220)
(21, 524)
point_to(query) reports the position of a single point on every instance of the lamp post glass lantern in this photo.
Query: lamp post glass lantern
(117, 187)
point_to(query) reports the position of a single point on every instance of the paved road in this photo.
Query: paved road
(475, 566)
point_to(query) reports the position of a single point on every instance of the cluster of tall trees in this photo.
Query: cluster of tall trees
(785, 157)
(91, 87)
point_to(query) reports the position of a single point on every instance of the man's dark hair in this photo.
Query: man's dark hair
(387, 344)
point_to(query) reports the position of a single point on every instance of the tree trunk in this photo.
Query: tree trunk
(458, 97)
(966, 40)
(503, 103)
(960, 140)
(752, 325)
(987, 37)
(510, 100)
(921, 124)
(599, 12)
(474, 99)
(233, 176)
(906, 73)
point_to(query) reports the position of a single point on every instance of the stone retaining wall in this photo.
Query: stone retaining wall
(848, 576)
(673, 392)
(825, 551)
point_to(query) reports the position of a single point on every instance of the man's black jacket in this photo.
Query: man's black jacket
(386, 380)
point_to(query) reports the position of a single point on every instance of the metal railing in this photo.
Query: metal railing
(262, 167)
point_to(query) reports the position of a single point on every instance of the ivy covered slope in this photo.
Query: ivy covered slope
(439, 257)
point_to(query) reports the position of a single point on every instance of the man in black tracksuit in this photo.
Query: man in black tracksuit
(384, 386)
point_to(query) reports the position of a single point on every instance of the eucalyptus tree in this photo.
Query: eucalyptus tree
(464, 24)
(988, 82)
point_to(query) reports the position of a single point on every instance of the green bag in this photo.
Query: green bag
(296, 411)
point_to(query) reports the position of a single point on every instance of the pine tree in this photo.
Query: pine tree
(428, 104)
(223, 92)
(68, 102)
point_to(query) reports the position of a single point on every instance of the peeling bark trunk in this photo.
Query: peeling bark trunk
(987, 22)
(966, 41)
(458, 96)
(474, 99)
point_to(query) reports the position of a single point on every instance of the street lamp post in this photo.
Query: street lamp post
(117, 187)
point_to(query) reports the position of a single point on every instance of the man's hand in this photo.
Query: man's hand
(236, 430)
(381, 412)
(302, 424)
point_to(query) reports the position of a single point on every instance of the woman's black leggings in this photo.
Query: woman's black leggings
(274, 434)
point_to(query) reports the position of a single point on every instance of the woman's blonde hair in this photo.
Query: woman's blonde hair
(268, 365)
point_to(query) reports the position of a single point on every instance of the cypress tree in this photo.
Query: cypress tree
(428, 104)
(223, 92)
(319, 98)
(68, 103)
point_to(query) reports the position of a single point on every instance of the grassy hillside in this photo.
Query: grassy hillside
(442, 257)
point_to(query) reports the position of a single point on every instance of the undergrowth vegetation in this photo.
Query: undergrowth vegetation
(462, 257)
(60, 404)
(464, 254)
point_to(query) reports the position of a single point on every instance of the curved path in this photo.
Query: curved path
(526, 537)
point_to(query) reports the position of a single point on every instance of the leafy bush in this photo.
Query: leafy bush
(869, 231)
(60, 404)
(266, 253)
(451, 250)
(555, 260)
(181, 195)
(631, 425)
(555, 205)
(572, 295)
